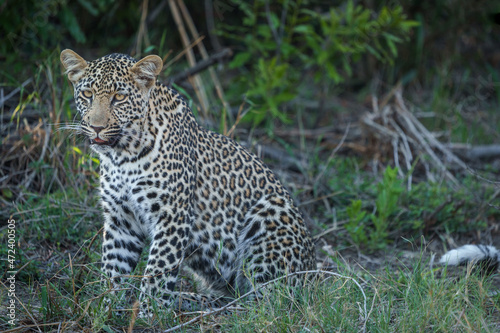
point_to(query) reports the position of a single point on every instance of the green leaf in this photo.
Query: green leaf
(240, 59)
(303, 29)
(89, 7)
(69, 20)
(149, 48)
(6, 193)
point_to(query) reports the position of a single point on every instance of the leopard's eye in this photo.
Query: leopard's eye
(87, 94)
(119, 97)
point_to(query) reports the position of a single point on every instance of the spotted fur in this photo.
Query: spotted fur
(200, 198)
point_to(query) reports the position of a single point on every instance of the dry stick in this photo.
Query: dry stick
(395, 152)
(276, 37)
(29, 314)
(15, 91)
(239, 116)
(405, 149)
(200, 66)
(418, 142)
(204, 55)
(331, 229)
(473, 153)
(305, 203)
(72, 279)
(325, 132)
(427, 134)
(196, 82)
(182, 53)
(141, 34)
(375, 104)
(42, 155)
(157, 11)
(364, 313)
(410, 125)
(334, 151)
(368, 120)
(209, 16)
(16, 329)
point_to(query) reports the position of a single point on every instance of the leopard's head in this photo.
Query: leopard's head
(112, 96)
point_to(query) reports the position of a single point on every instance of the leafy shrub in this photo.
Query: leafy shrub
(374, 236)
(279, 42)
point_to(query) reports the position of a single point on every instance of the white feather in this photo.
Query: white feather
(468, 253)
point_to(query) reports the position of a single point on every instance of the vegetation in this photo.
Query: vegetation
(298, 89)
(302, 39)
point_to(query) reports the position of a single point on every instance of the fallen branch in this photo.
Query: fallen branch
(474, 153)
(393, 126)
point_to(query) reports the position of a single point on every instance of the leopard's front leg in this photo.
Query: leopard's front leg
(122, 246)
(170, 238)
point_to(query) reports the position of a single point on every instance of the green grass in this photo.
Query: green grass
(403, 297)
(414, 298)
(407, 300)
(58, 221)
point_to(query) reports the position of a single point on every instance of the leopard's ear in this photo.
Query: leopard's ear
(74, 64)
(145, 71)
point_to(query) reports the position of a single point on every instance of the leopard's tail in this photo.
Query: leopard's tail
(487, 258)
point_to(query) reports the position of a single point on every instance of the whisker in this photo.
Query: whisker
(67, 126)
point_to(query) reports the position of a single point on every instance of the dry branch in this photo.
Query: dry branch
(204, 54)
(392, 126)
(474, 153)
(202, 65)
(15, 91)
(196, 81)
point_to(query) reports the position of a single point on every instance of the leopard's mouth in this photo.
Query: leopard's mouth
(100, 142)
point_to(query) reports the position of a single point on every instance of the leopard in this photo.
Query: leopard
(200, 200)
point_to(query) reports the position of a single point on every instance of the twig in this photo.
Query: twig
(29, 314)
(30, 178)
(202, 65)
(142, 33)
(277, 38)
(429, 220)
(157, 11)
(334, 151)
(364, 313)
(182, 53)
(327, 231)
(368, 120)
(204, 55)
(209, 16)
(286, 160)
(406, 151)
(196, 80)
(305, 203)
(410, 124)
(24, 327)
(427, 134)
(15, 91)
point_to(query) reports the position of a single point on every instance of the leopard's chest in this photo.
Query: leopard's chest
(137, 193)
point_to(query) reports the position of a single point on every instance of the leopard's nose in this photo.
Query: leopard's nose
(97, 129)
